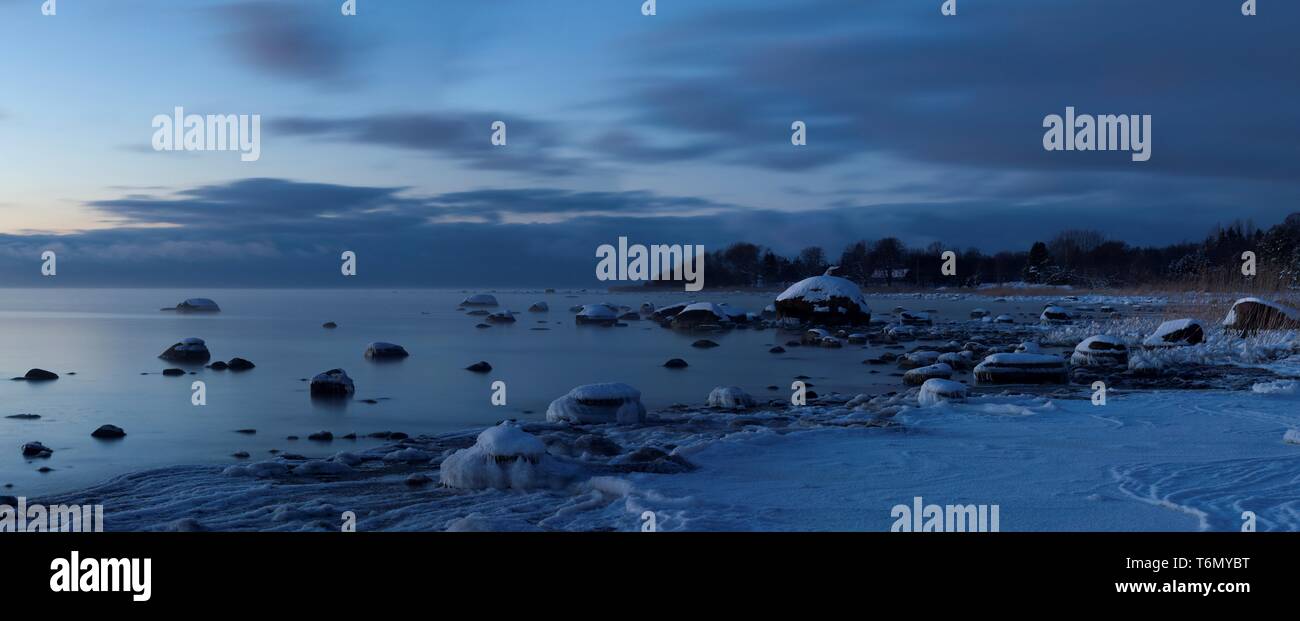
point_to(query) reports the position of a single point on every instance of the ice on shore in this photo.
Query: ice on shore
(503, 457)
(598, 404)
(730, 398)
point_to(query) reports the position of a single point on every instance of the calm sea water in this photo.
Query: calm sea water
(110, 337)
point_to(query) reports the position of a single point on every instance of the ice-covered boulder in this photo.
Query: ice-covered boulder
(504, 316)
(730, 398)
(1004, 319)
(1250, 315)
(480, 299)
(938, 390)
(824, 299)
(503, 457)
(192, 350)
(1021, 368)
(1055, 314)
(958, 359)
(915, 319)
(1176, 333)
(598, 403)
(379, 350)
(920, 375)
(539, 307)
(332, 383)
(700, 314)
(668, 312)
(917, 359)
(979, 313)
(198, 305)
(1100, 350)
(597, 314)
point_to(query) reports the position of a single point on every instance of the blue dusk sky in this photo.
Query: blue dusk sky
(675, 128)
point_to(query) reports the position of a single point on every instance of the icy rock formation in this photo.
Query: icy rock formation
(824, 299)
(503, 457)
(916, 359)
(332, 383)
(1176, 333)
(598, 314)
(938, 390)
(1101, 350)
(480, 299)
(920, 375)
(1022, 368)
(958, 359)
(730, 398)
(700, 314)
(382, 350)
(598, 403)
(198, 305)
(1055, 314)
(1250, 315)
(192, 350)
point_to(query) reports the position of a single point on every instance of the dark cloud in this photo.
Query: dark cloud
(289, 39)
(465, 136)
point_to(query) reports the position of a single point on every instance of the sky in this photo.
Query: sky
(672, 128)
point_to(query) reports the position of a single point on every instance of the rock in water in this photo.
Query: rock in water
(676, 363)
(189, 350)
(699, 315)
(704, 344)
(332, 383)
(504, 316)
(730, 398)
(198, 305)
(598, 403)
(481, 299)
(479, 367)
(539, 307)
(1177, 332)
(1100, 351)
(173, 372)
(239, 364)
(36, 449)
(329, 325)
(219, 366)
(1019, 368)
(938, 390)
(321, 436)
(920, 375)
(380, 350)
(1251, 315)
(40, 375)
(596, 314)
(825, 299)
(108, 432)
(1055, 314)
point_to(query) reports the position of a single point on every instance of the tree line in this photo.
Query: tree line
(1077, 257)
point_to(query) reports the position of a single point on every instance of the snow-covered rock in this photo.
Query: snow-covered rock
(1004, 319)
(1250, 315)
(1175, 333)
(920, 375)
(1292, 436)
(958, 359)
(382, 350)
(480, 299)
(332, 383)
(730, 398)
(1055, 314)
(917, 359)
(192, 350)
(824, 299)
(668, 312)
(598, 403)
(1100, 350)
(700, 314)
(1287, 388)
(503, 457)
(597, 314)
(939, 390)
(198, 305)
(1022, 368)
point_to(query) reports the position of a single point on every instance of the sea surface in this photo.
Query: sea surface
(104, 344)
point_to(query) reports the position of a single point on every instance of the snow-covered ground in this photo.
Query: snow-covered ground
(1173, 460)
